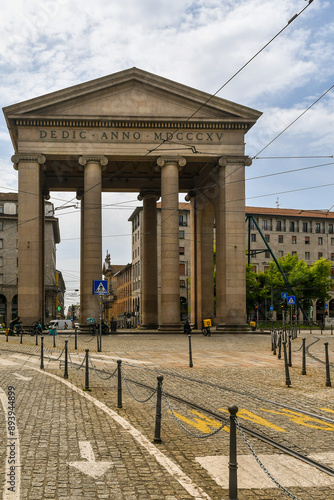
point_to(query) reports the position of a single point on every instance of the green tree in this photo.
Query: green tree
(307, 283)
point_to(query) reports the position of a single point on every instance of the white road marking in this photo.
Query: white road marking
(172, 468)
(90, 467)
(7, 362)
(21, 377)
(13, 465)
(112, 359)
(288, 471)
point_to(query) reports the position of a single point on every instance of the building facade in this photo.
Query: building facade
(9, 259)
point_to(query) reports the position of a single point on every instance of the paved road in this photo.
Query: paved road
(62, 442)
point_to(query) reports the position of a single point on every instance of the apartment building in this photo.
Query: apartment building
(54, 284)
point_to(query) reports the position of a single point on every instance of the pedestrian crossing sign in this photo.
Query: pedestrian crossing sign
(100, 287)
(291, 300)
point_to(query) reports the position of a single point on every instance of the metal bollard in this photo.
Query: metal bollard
(190, 353)
(54, 340)
(157, 433)
(42, 353)
(7, 334)
(87, 372)
(287, 375)
(119, 383)
(279, 355)
(75, 338)
(331, 328)
(275, 342)
(328, 376)
(36, 336)
(290, 362)
(66, 362)
(21, 335)
(233, 464)
(304, 358)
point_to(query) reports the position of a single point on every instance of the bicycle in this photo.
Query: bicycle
(35, 328)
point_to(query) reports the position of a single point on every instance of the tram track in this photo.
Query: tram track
(255, 434)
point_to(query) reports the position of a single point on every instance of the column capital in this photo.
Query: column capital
(165, 160)
(80, 194)
(149, 194)
(102, 160)
(245, 160)
(38, 158)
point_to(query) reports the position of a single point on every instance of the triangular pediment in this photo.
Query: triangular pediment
(132, 94)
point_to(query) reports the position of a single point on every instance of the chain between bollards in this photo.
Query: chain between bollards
(304, 358)
(42, 353)
(190, 352)
(157, 433)
(286, 364)
(328, 376)
(87, 372)
(66, 361)
(233, 464)
(119, 383)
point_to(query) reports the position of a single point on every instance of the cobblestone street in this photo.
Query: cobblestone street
(69, 443)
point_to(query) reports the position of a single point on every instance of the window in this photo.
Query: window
(332, 242)
(320, 255)
(293, 253)
(1, 279)
(1, 243)
(251, 224)
(181, 234)
(264, 224)
(1, 261)
(1, 209)
(330, 228)
(182, 269)
(267, 237)
(278, 225)
(280, 238)
(182, 284)
(280, 253)
(305, 227)
(293, 240)
(332, 256)
(1, 225)
(267, 254)
(307, 240)
(317, 227)
(307, 255)
(320, 240)
(292, 226)
(253, 237)
(182, 220)
(181, 250)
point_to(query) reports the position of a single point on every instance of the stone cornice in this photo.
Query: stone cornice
(229, 124)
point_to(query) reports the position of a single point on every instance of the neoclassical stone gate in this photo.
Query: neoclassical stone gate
(134, 131)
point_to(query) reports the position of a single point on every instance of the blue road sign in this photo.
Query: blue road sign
(271, 308)
(326, 306)
(100, 287)
(291, 300)
(284, 295)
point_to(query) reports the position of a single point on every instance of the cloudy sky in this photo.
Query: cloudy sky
(48, 45)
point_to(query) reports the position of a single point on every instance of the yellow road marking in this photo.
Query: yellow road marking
(248, 415)
(300, 419)
(204, 424)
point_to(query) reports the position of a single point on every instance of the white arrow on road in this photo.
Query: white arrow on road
(90, 466)
(21, 377)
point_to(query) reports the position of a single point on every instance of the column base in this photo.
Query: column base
(149, 326)
(177, 328)
(226, 328)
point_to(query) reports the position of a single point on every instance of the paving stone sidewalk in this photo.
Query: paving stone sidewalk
(67, 436)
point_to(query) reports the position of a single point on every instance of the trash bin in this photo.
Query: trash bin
(113, 326)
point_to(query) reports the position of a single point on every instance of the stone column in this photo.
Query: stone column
(91, 253)
(149, 261)
(230, 249)
(30, 237)
(80, 196)
(170, 281)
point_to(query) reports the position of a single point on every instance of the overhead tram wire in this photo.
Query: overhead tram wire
(292, 123)
(293, 18)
